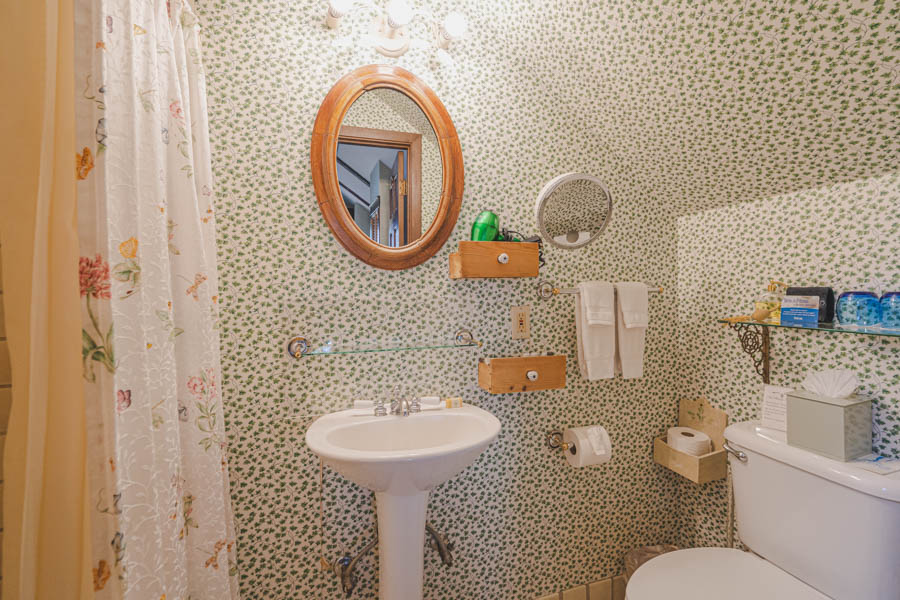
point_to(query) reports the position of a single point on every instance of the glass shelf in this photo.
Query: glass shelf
(754, 337)
(299, 346)
(833, 327)
(326, 350)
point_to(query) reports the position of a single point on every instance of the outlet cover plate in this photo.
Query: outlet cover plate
(521, 322)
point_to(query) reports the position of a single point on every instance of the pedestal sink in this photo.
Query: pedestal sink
(401, 458)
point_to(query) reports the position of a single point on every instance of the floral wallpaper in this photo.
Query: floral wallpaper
(680, 107)
(845, 236)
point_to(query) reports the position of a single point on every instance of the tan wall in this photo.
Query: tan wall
(5, 393)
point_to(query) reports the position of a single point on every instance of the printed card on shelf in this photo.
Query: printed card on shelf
(801, 311)
(774, 407)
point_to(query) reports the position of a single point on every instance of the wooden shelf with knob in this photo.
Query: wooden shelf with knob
(522, 373)
(494, 259)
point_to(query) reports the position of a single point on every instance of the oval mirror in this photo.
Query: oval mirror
(573, 210)
(387, 167)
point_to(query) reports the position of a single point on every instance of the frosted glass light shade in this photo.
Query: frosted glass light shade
(336, 10)
(399, 13)
(455, 25)
(339, 8)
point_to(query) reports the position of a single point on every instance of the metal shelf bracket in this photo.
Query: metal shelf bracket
(755, 342)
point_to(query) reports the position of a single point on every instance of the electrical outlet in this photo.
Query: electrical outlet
(521, 322)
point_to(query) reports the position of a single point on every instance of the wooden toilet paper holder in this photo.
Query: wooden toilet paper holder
(697, 414)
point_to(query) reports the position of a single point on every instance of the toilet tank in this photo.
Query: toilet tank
(833, 525)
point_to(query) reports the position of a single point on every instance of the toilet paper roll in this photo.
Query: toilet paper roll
(688, 440)
(591, 445)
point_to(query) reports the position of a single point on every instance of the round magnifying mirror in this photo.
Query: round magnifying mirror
(389, 167)
(573, 210)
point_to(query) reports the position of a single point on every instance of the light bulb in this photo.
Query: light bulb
(455, 25)
(336, 10)
(339, 8)
(399, 13)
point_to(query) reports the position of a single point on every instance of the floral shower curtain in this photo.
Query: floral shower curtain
(162, 522)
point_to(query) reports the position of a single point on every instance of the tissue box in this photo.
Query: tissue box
(839, 428)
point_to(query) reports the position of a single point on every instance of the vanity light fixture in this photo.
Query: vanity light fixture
(453, 28)
(390, 33)
(336, 10)
(399, 14)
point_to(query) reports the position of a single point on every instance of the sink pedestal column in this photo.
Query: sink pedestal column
(401, 545)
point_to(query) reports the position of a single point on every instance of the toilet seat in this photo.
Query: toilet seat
(714, 574)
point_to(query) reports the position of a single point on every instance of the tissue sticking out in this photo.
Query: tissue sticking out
(831, 383)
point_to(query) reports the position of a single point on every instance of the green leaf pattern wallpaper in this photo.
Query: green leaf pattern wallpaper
(740, 139)
(846, 236)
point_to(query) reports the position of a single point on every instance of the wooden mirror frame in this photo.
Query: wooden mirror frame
(323, 158)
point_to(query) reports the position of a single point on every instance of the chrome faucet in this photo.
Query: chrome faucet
(400, 407)
(404, 406)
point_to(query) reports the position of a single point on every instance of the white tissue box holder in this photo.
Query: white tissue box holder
(839, 428)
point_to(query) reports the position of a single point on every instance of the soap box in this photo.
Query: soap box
(839, 428)
(802, 311)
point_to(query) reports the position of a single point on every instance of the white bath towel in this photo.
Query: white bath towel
(596, 340)
(631, 328)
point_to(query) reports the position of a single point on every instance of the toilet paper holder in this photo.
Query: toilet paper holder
(555, 441)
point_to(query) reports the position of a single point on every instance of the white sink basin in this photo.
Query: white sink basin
(402, 455)
(401, 459)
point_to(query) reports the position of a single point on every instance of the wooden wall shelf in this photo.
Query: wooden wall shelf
(494, 259)
(697, 414)
(508, 375)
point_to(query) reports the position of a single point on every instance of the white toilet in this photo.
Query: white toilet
(819, 529)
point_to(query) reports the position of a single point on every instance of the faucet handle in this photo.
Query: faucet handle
(415, 405)
(380, 410)
(396, 399)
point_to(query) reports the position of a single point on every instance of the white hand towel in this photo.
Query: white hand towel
(598, 299)
(631, 326)
(596, 343)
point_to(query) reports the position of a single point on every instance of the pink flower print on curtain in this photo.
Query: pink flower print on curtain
(96, 342)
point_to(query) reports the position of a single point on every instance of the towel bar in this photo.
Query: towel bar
(548, 290)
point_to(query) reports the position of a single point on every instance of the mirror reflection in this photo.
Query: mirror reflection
(573, 212)
(389, 167)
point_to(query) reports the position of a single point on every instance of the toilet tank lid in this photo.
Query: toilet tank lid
(752, 436)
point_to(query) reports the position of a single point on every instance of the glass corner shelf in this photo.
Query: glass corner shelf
(831, 327)
(754, 337)
(300, 347)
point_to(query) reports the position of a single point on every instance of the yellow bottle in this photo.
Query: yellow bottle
(768, 307)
